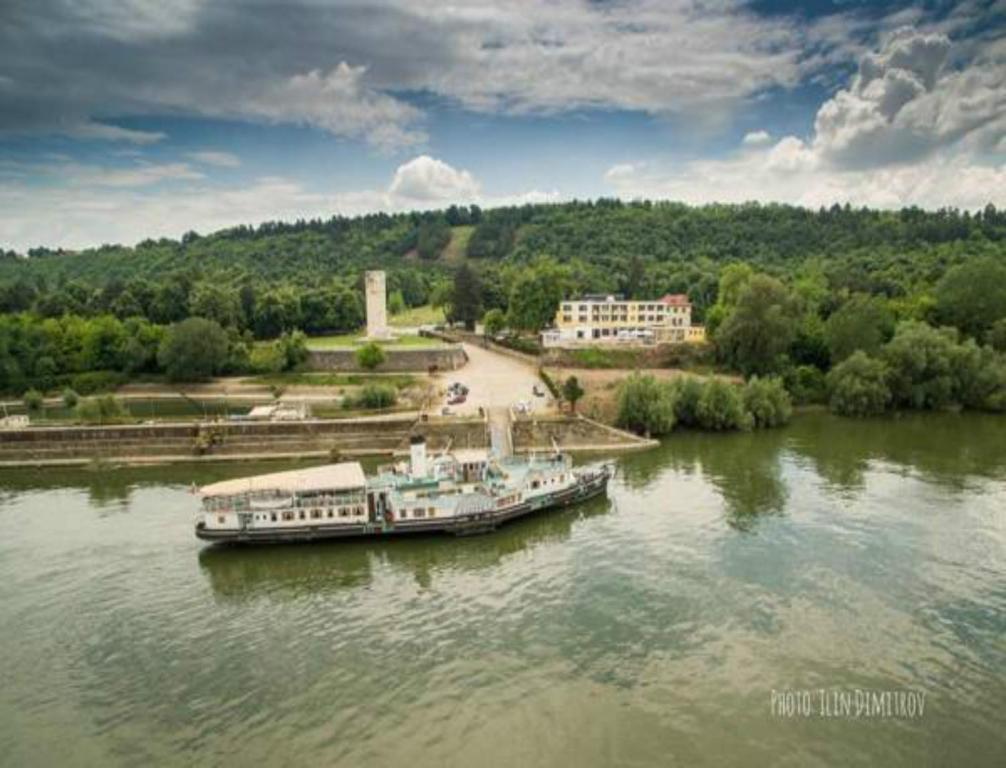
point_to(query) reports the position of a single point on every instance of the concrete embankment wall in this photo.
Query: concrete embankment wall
(575, 433)
(228, 440)
(446, 358)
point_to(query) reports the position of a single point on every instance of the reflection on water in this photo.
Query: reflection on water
(648, 628)
(241, 572)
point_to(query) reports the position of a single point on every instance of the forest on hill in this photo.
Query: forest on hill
(106, 308)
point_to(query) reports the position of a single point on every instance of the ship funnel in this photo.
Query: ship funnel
(417, 455)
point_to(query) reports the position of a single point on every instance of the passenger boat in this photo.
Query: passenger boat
(460, 492)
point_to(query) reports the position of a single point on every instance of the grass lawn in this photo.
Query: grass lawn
(356, 340)
(454, 253)
(424, 315)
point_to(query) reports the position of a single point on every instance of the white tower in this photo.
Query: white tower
(377, 322)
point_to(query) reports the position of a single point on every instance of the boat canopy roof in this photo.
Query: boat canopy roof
(345, 476)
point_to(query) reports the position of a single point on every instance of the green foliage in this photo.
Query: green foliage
(373, 397)
(193, 350)
(535, 296)
(760, 328)
(572, 392)
(100, 410)
(33, 400)
(996, 336)
(369, 356)
(267, 358)
(721, 407)
(807, 384)
(70, 398)
(396, 303)
(687, 391)
(466, 298)
(972, 296)
(552, 388)
(767, 401)
(494, 321)
(921, 363)
(91, 382)
(858, 386)
(862, 323)
(434, 235)
(645, 405)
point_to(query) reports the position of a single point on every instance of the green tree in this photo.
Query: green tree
(721, 408)
(33, 400)
(862, 323)
(194, 349)
(466, 298)
(493, 321)
(921, 363)
(972, 295)
(370, 356)
(572, 392)
(755, 335)
(858, 386)
(767, 401)
(645, 405)
(535, 296)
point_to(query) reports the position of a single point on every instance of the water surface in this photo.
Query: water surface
(650, 628)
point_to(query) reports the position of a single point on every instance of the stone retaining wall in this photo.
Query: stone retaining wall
(572, 433)
(396, 360)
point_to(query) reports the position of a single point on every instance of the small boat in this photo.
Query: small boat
(461, 492)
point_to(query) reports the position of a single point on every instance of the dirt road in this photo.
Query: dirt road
(495, 381)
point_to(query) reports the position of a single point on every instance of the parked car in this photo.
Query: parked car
(456, 399)
(457, 388)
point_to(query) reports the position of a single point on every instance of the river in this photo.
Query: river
(663, 625)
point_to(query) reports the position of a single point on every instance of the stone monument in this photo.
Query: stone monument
(377, 321)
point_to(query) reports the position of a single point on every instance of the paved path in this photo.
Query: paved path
(494, 381)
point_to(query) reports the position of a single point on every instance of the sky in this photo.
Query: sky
(127, 119)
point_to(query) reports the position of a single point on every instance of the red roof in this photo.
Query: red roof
(676, 300)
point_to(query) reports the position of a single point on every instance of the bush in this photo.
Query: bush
(100, 409)
(193, 349)
(767, 401)
(981, 377)
(70, 398)
(572, 392)
(373, 397)
(720, 407)
(858, 386)
(33, 400)
(549, 383)
(91, 382)
(369, 356)
(267, 358)
(687, 393)
(645, 405)
(920, 361)
(807, 384)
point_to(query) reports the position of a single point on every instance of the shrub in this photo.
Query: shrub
(193, 349)
(920, 361)
(767, 401)
(369, 356)
(549, 383)
(70, 397)
(687, 393)
(720, 407)
(91, 382)
(807, 384)
(100, 409)
(267, 358)
(645, 405)
(33, 400)
(858, 386)
(981, 377)
(373, 396)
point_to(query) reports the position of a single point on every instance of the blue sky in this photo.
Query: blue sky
(126, 119)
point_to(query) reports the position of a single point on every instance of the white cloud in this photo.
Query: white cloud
(874, 143)
(756, 139)
(905, 103)
(338, 102)
(426, 180)
(216, 158)
(89, 129)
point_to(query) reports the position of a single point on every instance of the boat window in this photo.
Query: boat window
(272, 516)
(431, 511)
(221, 519)
(315, 513)
(302, 514)
(288, 515)
(330, 512)
(343, 512)
(419, 513)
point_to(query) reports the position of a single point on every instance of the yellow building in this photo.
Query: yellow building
(611, 319)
